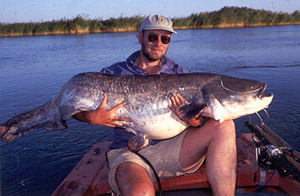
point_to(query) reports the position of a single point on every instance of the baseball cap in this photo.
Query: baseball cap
(157, 22)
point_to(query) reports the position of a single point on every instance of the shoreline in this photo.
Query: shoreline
(134, 29)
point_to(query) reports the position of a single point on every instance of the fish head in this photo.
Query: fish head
(230, 98)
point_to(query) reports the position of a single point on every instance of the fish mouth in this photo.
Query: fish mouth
(260, 93)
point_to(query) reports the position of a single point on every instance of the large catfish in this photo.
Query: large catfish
(148, 97)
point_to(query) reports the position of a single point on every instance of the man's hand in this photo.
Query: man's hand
(102, 115)
(178, 101)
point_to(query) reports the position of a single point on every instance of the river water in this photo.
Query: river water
(33, 69)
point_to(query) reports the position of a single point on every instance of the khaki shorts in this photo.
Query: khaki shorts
(164, 157)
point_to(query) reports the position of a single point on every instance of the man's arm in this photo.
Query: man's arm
(102, 115)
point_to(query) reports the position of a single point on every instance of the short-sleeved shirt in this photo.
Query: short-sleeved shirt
(121, 136)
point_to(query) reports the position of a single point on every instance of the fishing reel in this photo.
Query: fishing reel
(272, 157)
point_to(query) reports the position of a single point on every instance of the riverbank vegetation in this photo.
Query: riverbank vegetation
(227, 17)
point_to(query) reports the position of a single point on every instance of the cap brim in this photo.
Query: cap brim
(160, 28)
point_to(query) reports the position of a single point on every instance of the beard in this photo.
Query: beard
(150, 56)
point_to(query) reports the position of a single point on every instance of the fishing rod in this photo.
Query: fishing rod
(274, 152)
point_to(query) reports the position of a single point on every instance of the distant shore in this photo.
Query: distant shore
(227, 17)
(116, 30)
(76, 32)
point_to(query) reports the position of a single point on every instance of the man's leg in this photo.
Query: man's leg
(133, 179)
(218, 142)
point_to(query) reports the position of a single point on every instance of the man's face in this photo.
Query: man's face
(155, 43)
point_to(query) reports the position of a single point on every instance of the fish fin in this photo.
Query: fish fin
(3, 130)
(130, 130)
(7, 133)
(138, 142)
(191, 110)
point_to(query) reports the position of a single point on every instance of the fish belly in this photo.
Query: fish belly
(157, 127)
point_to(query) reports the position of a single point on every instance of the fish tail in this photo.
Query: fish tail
(45, 117)
(5, 135)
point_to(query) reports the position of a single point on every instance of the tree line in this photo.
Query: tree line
(225, 17)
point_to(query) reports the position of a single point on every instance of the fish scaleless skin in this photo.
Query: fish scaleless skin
(148, 97)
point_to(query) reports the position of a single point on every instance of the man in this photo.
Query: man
(213, 141)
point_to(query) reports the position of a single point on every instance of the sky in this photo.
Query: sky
(12, 11)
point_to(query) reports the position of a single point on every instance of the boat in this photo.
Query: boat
(266, 164)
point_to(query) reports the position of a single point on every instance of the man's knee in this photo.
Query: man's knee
(226, 128)
(138, 188)
(132, 179)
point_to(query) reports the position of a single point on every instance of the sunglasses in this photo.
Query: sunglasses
(152, 37)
